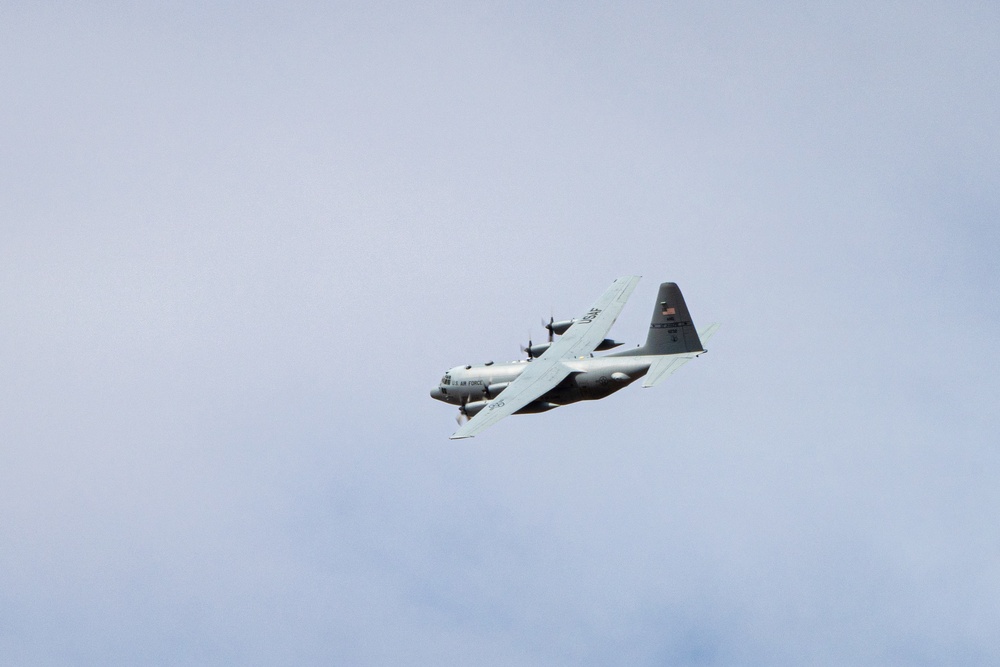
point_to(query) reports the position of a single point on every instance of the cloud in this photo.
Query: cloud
(242, 244)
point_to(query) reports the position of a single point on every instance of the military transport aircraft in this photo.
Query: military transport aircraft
(566, 371)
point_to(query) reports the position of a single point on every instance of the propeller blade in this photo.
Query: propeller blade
(462, 414)
(527, 350)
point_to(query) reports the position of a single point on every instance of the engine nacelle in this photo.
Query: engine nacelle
(494, 390)
(536, 351)
(559, 328)
(470, 410)
(535, 407)
(607, 344)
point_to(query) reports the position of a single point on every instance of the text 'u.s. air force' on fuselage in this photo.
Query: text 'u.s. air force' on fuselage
(566, 371)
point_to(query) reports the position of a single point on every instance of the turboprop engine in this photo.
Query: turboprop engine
(607, 344)
(493, 390)
(561, 327)
(535, 351)
(535, 407)
(558, 328)
(470, 410)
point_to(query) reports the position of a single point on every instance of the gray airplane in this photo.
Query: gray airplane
(566, 371)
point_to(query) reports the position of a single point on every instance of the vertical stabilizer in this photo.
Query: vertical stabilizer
(671, 331)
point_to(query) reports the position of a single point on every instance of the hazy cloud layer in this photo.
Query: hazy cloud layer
(241, 243)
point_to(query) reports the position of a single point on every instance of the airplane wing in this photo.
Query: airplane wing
(548, 370)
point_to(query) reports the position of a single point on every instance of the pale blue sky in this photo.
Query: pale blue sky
(242, 243)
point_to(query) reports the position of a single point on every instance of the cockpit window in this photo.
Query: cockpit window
(446, 379)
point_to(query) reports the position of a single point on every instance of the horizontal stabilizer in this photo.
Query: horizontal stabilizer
(707, 332)
(665, 366)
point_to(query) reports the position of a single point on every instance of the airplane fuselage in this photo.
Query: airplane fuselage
(591, 378)
(566, 371)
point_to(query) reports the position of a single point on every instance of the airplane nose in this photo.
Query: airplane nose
(436, 394)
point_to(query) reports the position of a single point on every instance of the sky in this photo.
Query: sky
(242, 241)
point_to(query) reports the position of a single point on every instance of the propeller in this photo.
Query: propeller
(527, 350)
(463, 414)
(548, 325)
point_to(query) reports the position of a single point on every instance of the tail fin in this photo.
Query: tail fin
(671, 331)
